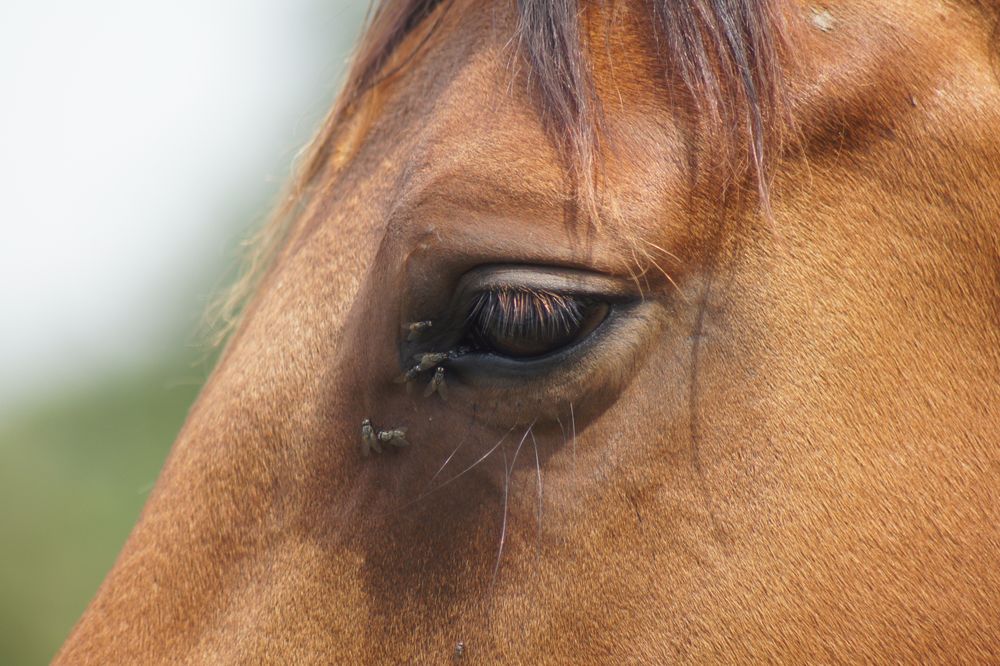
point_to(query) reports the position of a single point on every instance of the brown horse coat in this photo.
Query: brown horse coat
(786, 450)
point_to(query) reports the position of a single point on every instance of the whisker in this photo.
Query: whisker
(519, 445)
(663, 271)
(461, 443)
(538, 468)
(663, 250)
(573, 421)
(447, 460)
(481, 459)
(635, 277)
(506, 492)
(503, 526)
(431, 491)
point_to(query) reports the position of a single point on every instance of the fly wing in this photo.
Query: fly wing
(431, 387)
(399, 437)
(367, 442)
(442, 390)
(416, 329)
(371, 440)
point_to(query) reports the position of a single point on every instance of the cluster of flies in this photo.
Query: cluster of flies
(372, 439)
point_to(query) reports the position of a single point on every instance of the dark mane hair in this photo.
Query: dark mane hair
(725, 54)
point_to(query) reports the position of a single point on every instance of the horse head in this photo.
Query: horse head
(626, 331)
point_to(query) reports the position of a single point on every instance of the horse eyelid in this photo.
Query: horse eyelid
(526, 311)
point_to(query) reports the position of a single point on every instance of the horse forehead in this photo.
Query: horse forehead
(483, 143)
(480, 137)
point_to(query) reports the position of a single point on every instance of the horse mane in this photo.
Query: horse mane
(725, 54)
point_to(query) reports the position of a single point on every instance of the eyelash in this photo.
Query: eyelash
(525, 313)
(521, 312)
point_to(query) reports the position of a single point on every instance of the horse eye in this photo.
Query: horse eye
(526, 323)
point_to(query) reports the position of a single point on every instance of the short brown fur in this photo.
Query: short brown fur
(789, 456)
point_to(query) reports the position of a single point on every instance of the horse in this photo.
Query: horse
(634, 331)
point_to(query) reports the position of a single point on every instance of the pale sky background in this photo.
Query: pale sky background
(138, 141)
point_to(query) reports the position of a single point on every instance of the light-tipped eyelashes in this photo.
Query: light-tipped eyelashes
(522, 311)
(522, 322)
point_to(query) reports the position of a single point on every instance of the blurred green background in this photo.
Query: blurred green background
(76, 469)
(139, 143)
